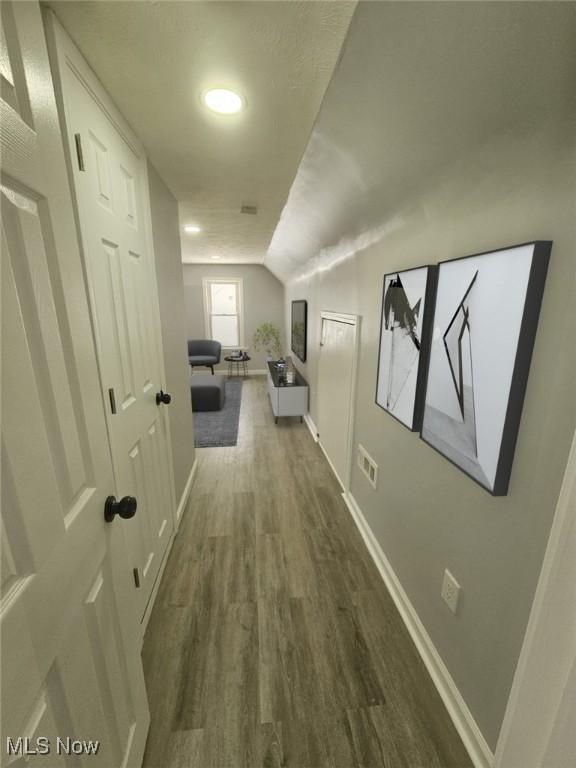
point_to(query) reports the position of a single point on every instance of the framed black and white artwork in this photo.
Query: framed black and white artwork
(485, 319)
(406, 302)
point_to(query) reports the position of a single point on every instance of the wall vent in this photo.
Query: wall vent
(250, 209)
(367, 465)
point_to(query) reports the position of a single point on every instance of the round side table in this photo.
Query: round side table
(237, 365)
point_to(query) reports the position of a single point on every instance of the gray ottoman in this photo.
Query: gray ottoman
(207, 392)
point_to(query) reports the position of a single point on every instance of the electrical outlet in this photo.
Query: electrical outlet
(368, 465)
(450, 591)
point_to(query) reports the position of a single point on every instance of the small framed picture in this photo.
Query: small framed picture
(407, 299)
(485, 319)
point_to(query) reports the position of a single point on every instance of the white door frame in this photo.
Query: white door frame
(353, 320)
(538, 728)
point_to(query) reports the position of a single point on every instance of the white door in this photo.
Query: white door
(336, 368)
(67, 624)
(112, 193)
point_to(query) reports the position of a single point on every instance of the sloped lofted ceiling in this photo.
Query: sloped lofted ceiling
(418, 85)
(156, 59)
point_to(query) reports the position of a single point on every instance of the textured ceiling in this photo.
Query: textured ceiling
(418, 85)
(156, 58)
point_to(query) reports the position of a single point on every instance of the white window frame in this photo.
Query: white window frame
(206, 283)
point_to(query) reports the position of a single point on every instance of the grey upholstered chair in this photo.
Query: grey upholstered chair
(204, 352)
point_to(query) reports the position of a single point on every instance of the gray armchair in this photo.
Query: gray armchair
(204, 352)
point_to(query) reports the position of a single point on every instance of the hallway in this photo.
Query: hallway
(273, 641)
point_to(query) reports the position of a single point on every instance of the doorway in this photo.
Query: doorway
(339, 335)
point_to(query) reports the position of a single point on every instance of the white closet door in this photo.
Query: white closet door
(112, 193)
(335, 391)
(68, 625)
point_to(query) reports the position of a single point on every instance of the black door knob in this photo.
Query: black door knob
(126, 508)
(163, 397)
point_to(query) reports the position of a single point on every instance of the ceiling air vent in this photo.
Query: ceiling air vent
(250, 209)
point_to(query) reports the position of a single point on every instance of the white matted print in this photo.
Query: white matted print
(485, 318)
(403, 343)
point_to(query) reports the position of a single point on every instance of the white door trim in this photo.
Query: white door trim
(353, 320)
(160, 346)
(543, 697)
(340, 317)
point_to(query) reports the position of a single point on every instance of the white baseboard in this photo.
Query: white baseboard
(311, 426)
(186, 492)
(479, 751)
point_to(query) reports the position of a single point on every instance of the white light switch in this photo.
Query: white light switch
(450, 591)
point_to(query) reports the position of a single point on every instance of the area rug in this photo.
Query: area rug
(217, 429)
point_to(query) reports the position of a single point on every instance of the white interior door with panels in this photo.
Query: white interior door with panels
(109, 171)
(339, 335)
(67, 621)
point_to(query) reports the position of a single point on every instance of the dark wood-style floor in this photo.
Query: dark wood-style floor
(273, 640)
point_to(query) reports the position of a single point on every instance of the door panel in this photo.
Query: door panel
(112, 195)
(28, 238)
(67, 623)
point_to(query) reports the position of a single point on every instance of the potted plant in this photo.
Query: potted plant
(267, 337)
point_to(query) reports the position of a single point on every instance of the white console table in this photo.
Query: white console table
(287, 399)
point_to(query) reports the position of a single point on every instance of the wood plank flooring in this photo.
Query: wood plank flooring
(273, 640)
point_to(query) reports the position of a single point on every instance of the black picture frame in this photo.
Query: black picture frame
(299, 351)
(428, 296)
(520, 366)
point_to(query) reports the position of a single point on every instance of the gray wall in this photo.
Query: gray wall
(426, 514)
(263, 301)
(166, 236)
(516, 186)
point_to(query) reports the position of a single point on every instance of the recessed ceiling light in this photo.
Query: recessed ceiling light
(192, 229)
(223, 101)
(215, 257)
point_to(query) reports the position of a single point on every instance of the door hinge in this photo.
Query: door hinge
(78, 140)
(136, 578)
(112, 397)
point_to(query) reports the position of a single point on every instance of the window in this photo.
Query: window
(223, 311)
